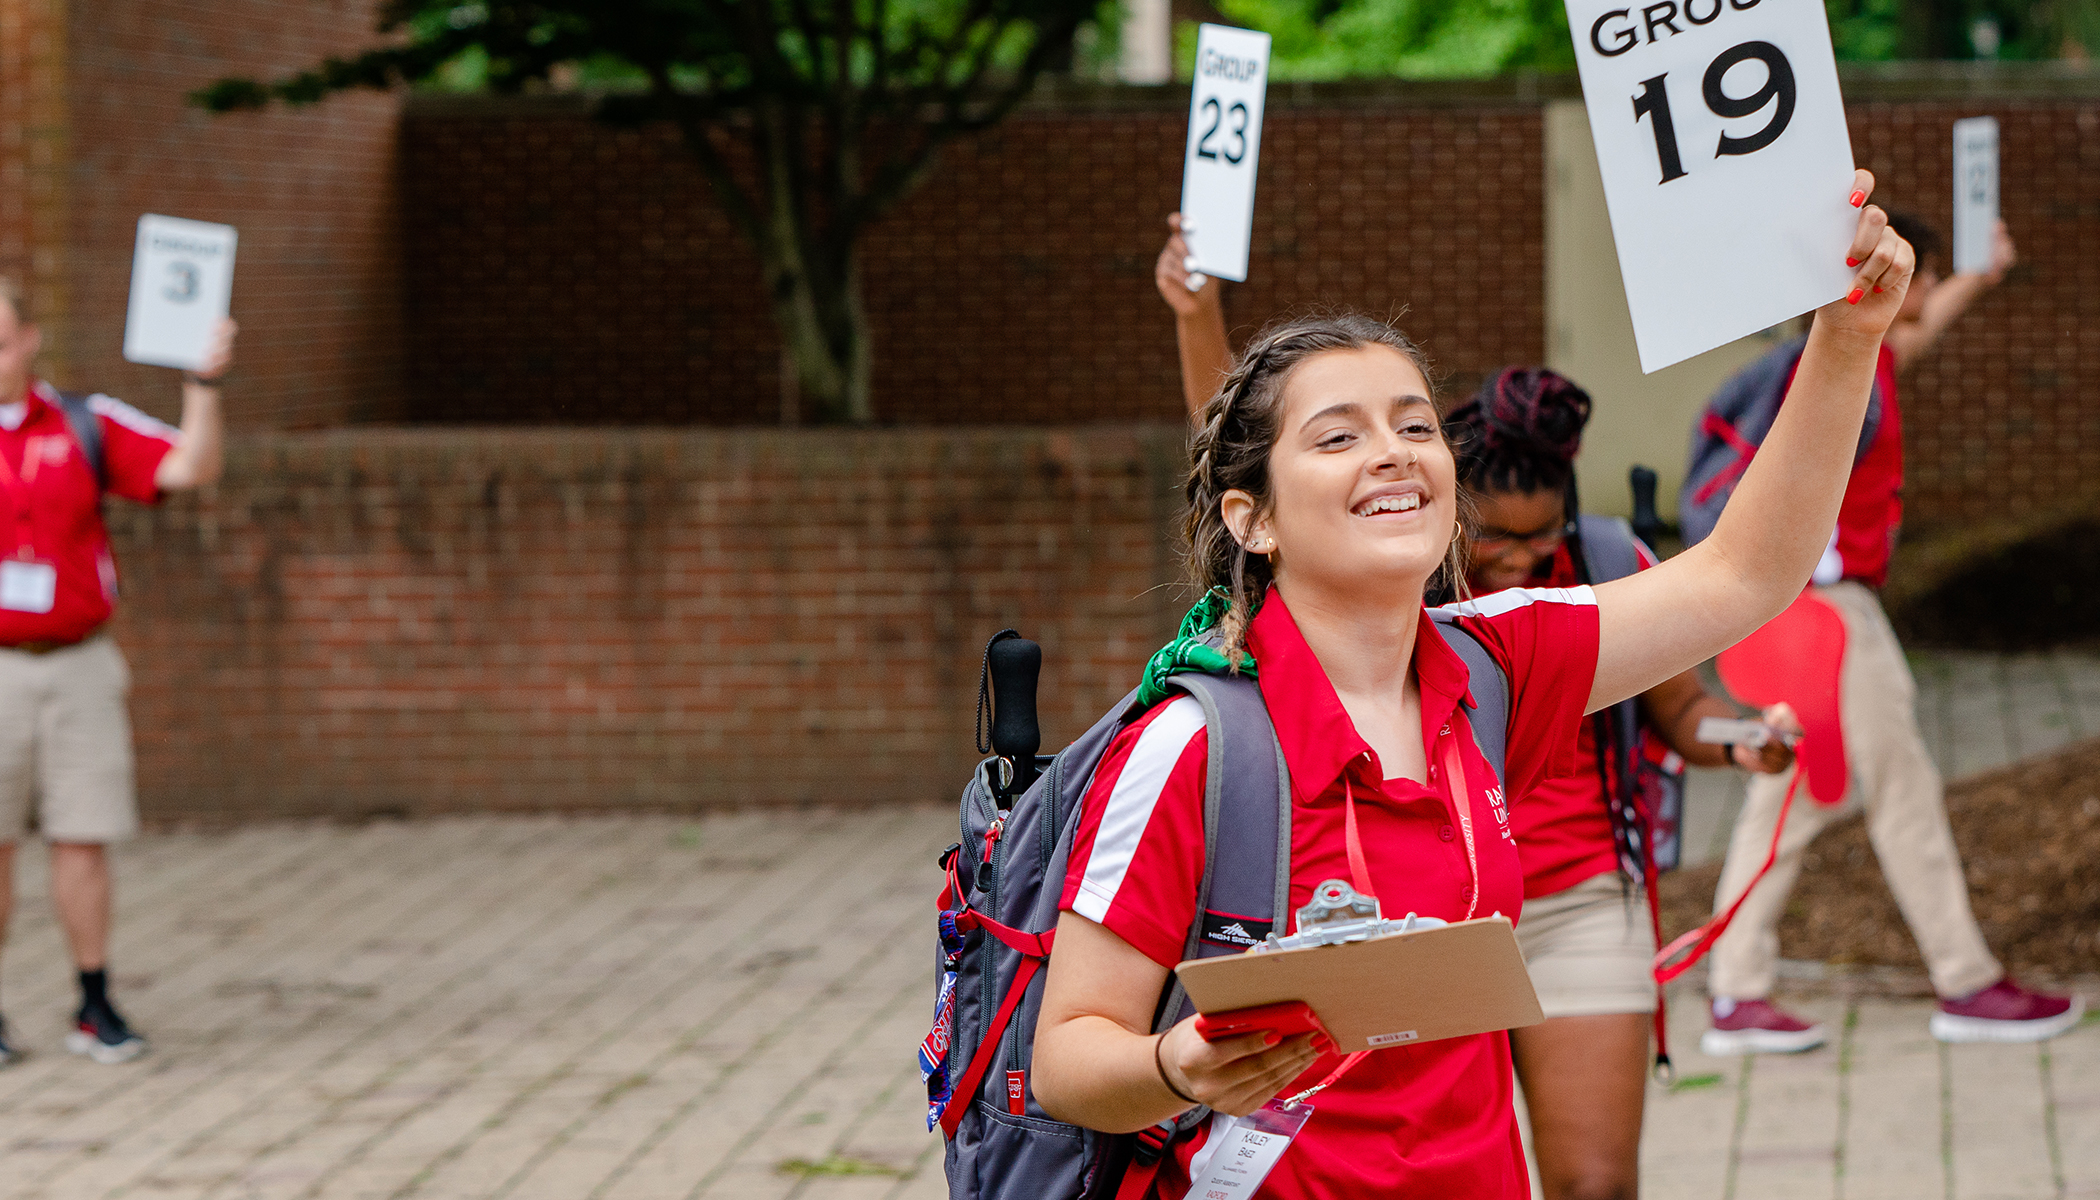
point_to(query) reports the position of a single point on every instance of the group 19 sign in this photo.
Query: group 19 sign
(1224, 147)
(1720, 131)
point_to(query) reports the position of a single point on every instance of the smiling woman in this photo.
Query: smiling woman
(1324, 501)
(1232, 450)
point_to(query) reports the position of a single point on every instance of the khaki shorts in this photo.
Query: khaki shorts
(65, 744)
(1591, 949)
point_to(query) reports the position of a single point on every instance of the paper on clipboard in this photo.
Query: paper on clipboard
(1420, 986)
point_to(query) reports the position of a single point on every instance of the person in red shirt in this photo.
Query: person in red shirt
(1889, 772)
(65, 737)
(1323, 499)
(1588, 938)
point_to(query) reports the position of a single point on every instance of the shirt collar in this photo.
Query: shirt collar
(41, 396)
(1319, 740)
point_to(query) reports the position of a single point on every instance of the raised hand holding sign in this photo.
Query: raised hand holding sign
(181, 290)
(1224, 148)
(1721, 134)
(1975, 194)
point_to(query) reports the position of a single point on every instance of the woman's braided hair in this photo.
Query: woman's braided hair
(1519, 432)
(1235, 433)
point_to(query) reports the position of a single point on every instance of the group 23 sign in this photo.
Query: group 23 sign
(1721, 135)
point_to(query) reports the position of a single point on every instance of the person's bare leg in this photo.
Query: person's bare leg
(7, 887)
(1585, 1079)
(80, 891)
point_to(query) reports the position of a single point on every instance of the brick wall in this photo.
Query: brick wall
(2000, 420)
(561, 270)
(109, 135)
(564, 271)
(374, 622)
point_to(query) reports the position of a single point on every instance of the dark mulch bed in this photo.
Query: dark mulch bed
(2030, 841)
(2053, 574)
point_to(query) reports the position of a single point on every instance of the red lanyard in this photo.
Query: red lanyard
(1459, 797)
(1360, 872)
(18, 491)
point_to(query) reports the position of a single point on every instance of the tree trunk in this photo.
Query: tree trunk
(824, 329)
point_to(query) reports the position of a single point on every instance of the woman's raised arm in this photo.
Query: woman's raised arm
(1656, 623)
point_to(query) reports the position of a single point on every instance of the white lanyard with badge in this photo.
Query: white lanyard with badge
(27, 584)
(1241, 1151)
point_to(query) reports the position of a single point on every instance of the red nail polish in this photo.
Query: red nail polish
(1856, 294)
(1858, 198)
(1851, 262)
(1877, 291)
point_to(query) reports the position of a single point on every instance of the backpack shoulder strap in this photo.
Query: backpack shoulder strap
(1490, 688)
(1246, 818)
(1608, 548)
(87, 430)
(1246, 885)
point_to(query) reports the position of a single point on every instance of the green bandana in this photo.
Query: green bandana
(1188, 653)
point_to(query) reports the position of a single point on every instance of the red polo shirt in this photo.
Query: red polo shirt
(51, 507)
(1563, 825)
(1872, 512)
(1428, 1120)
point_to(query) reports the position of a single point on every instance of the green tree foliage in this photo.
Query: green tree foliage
(1867, 30)
(1414, 39)
(809, 118)
(1445, 39)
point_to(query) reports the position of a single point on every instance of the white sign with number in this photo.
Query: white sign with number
(1217, 182)
(181, 286)
(1721, 134)
(1975, 193)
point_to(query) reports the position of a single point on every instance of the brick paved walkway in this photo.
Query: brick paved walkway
(624, 1008)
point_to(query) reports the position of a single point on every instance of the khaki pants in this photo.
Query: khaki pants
(1893, 779)
(65, 744)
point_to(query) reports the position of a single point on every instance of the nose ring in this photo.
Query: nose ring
(1413, 458)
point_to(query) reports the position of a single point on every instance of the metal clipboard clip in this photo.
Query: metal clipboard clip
(1339, 914)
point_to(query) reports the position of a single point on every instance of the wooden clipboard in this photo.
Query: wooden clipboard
(1419, 986)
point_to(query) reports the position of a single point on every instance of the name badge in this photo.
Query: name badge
(26, 586)
(1244, 1152)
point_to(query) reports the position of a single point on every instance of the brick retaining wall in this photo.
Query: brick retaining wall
(563, 270)
(375, 622)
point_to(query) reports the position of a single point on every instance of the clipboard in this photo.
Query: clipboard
(1382, 989)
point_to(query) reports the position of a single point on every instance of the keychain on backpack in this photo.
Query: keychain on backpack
(933, 1052)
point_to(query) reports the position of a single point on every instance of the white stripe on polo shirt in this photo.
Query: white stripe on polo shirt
(1494, 604)
(1129, 808)
(110, 408)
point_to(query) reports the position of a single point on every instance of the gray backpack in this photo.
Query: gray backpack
(1645, 797)
(1731, 429)
(998, 917)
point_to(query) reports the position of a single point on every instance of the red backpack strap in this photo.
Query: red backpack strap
(973, 1078)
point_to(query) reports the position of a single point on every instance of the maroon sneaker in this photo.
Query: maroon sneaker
(2006, 1012)
(1755, 1027)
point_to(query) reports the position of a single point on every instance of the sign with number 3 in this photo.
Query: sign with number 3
(1224, 148)
(1721, 134)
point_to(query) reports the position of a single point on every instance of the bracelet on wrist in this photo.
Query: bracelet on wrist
(201, 381)
(1159, 1064)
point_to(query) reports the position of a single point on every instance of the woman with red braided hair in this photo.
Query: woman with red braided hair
(1585, 837)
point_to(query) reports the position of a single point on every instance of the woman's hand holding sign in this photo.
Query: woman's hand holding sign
(1883, 262)
(1775, 527)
